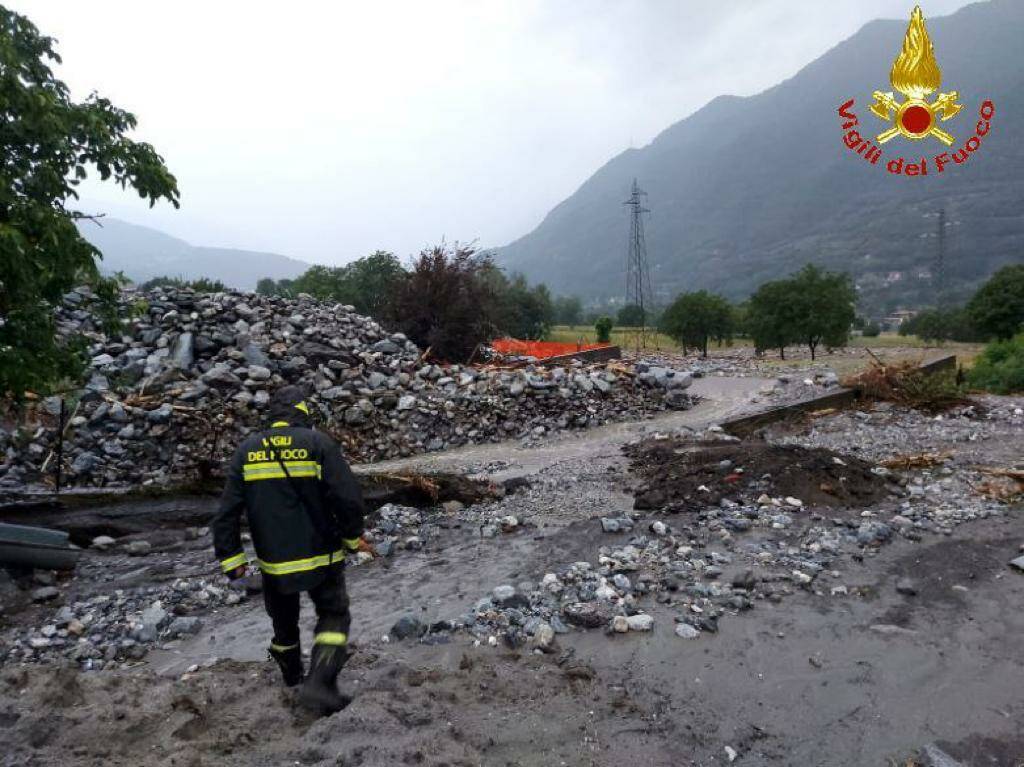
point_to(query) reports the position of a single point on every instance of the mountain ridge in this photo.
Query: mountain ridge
(749, 188)
(142, 252)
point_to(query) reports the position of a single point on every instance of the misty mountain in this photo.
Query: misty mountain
(142, 253)
(749, 189)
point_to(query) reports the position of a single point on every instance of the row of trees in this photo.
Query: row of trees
(813, 307)
(817, 308)
(453, 298)
(201, 285)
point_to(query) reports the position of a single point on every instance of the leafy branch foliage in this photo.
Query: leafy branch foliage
(48, 145)
(997, 309)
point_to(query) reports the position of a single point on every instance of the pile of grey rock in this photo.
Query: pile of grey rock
(190, 373)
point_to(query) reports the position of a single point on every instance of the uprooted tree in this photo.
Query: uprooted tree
(48, 145)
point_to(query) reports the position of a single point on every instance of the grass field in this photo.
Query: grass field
(624, 337)
(627, 338)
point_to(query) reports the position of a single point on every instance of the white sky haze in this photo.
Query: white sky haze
(326, 130)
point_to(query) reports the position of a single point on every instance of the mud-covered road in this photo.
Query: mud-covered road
(863, 675)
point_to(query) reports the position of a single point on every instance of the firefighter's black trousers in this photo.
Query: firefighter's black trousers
(331, 602)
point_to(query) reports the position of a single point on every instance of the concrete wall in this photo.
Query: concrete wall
(836, 398)
(603, 354)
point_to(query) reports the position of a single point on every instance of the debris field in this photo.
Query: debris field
(658, 594)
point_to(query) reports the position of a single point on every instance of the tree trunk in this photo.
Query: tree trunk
(782, 352)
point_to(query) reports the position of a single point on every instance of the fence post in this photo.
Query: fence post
(60, 447)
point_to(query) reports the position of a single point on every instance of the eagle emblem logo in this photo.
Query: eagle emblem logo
(915, 73)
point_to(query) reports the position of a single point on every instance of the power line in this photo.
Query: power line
(940, 262)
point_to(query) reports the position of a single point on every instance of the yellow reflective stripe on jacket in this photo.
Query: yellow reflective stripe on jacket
(300, 565)
(229, 564)
(352, 544)
(331, 637)
(252, 472)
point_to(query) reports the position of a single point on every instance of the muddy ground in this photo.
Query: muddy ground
(689, 475)
(863, 675)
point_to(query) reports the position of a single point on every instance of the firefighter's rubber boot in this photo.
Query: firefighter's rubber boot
(290, 661)
(319, 692)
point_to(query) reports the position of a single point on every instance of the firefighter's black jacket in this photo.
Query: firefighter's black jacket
(294, 540)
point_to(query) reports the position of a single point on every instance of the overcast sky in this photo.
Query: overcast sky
(326, 130)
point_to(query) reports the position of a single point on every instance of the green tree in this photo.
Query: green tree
(824, 305)
(740, 313)
(373, 280)
(266, 286)
(938, 325)
(326, 283)
(526, 312)
(48, 145)
(631, 316)
(695, 318)
(284, 287)
(771, 317)
(568, 310)
(368, 283)
(603, 327)
(997, 309)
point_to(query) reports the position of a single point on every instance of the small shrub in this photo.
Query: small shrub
(603, 327)
(872, 330)
(1000, 368)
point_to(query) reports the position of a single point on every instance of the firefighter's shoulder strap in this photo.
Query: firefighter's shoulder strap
(319, 523)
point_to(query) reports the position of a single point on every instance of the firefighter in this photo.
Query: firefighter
(305, 512)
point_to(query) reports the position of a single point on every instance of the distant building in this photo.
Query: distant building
(897, 318)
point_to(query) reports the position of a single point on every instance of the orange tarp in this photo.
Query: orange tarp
(540, 349)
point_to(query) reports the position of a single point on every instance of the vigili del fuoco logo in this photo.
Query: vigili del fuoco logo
(915, 74)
